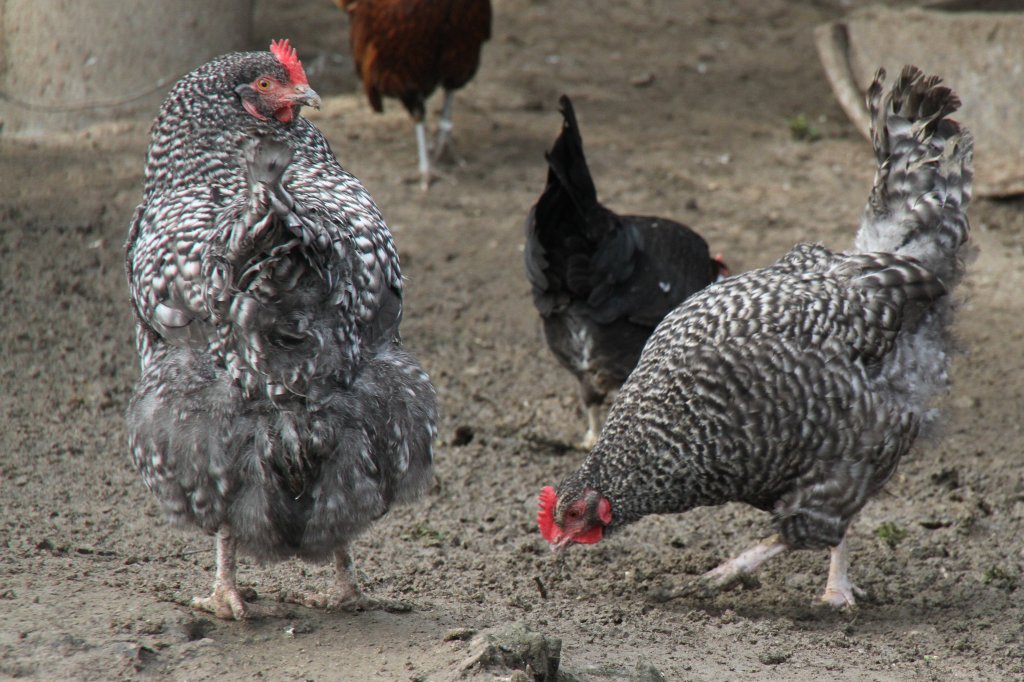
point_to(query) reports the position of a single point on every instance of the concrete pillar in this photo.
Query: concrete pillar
(65, 64)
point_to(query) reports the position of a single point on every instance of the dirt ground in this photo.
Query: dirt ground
(685, 108)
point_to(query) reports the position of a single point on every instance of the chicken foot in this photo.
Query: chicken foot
(839, 591)
(346, 595)
(227, 600)
(729, 574)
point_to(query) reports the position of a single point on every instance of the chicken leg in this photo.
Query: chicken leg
(226, 601)
(745, 563)
(594, 402)
(839, 591)
(594, 423)
(444, 127)
(729, 573)
(421, 149)
(346, 595)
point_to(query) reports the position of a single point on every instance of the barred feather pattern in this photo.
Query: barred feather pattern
(798, 387)
(275, 396)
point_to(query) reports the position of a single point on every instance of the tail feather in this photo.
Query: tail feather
(566, 163)
(567, 226)
(922, 186)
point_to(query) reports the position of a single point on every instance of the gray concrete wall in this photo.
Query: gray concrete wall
(65, 64)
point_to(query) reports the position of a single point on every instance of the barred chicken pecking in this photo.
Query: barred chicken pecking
(797, 388)
(602, 281)
(276, 407)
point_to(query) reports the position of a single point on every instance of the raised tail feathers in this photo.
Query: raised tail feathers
(567, 166)
(922, 186)
(566, 224)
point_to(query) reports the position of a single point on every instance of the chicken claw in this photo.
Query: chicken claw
(349, 602)
(230, 603)
(733, 573)
(346, 595)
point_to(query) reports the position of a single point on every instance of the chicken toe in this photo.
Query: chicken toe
(226, 602)
(346, 595)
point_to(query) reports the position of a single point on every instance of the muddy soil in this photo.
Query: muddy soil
(686, 110)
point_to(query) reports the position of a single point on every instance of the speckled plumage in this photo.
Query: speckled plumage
(275, 403)
(602, 281)
(798, 387)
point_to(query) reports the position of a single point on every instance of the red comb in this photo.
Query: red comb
(546, 513)
(289, 58)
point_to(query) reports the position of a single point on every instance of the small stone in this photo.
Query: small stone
(515, 647)
(463, 435)
(645, 672)
(151, 627)
(642, 80)
(773, 657)
(459, 634)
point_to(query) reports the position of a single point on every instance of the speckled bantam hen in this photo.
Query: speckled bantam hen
(276, 407)
(602, 281)
(798, 387)
(407, 48)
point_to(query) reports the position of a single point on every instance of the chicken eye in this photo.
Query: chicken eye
(263, 84)
(573, 513)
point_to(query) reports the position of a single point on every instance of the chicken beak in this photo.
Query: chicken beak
(307, 96)
(560, 543)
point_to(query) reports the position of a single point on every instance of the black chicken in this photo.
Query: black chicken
(602, 282)
(276, 406)
(797, 388)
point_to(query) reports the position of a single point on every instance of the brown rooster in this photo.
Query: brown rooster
(406, 48)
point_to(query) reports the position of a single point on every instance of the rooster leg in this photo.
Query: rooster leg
(839, 591)
(730, 573)
(226, 601)
(421, 148)
(444, 127)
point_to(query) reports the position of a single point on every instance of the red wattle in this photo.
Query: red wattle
(590, 537)
(285, 114)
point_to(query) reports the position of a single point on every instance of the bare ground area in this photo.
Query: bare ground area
(685, 109)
